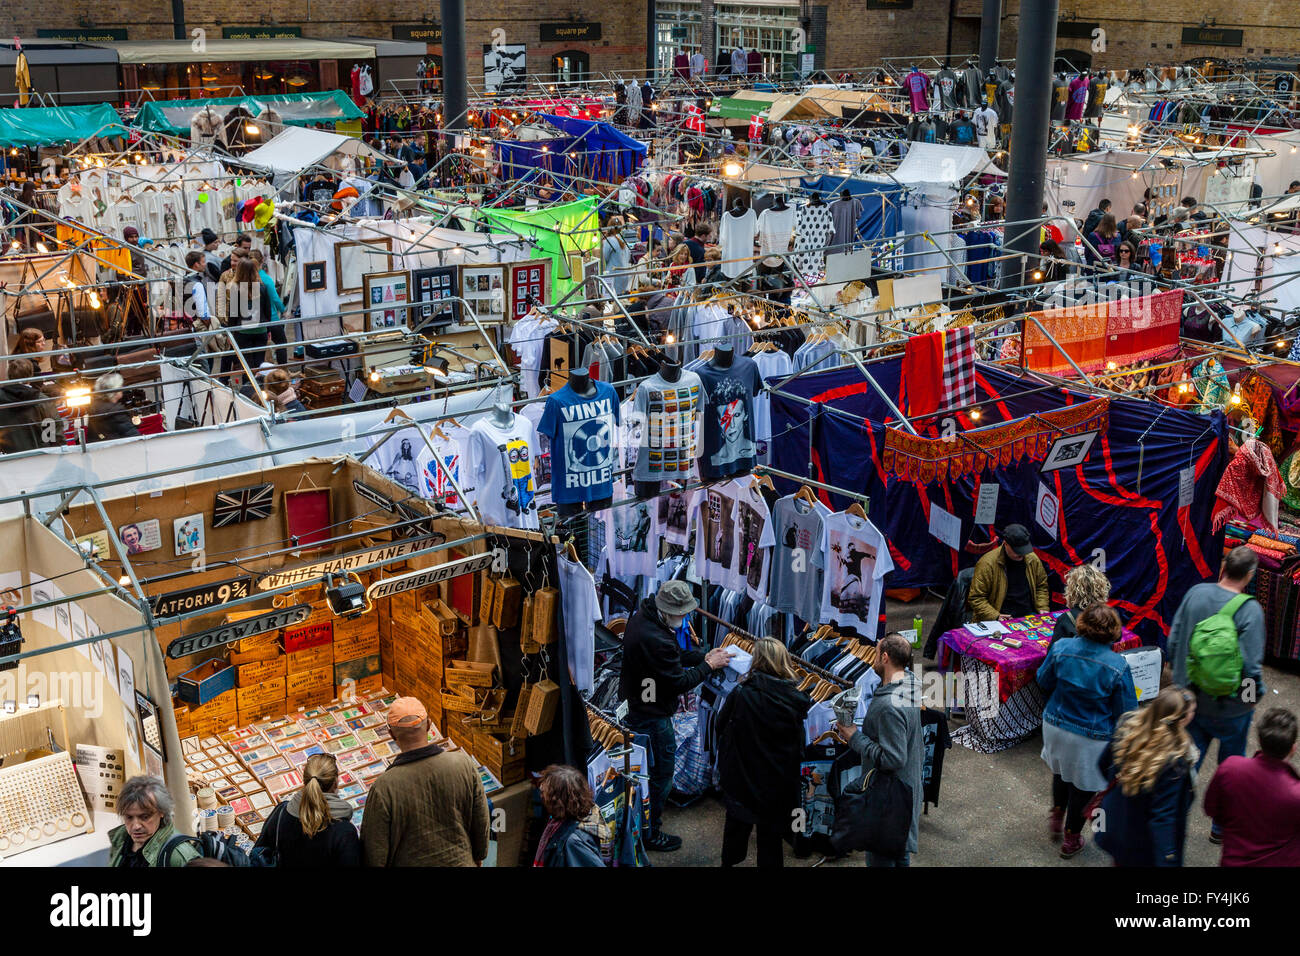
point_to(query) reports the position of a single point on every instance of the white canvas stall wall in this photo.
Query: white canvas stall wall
(930, 213)
(1275, 173)
(90, 681)
(416, 244)
(1071, 191)
(201, 400)
(1280, 255)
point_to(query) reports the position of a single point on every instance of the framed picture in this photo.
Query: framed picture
(483, 288)
(1068, 451)
(353, 260)
(307, 517)
(243, 504)
(187, 533)
(313, 276)
(386, 296)
(141, 536)
(435, 290)
(505, 67)
(95, 546)
(149, 723)
(532, 277)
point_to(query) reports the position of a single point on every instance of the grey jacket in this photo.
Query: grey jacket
(1198, 603)
(891, 738)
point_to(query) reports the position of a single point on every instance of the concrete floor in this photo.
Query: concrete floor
(992, 808)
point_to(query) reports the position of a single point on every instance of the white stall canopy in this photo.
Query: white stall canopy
(297, 148)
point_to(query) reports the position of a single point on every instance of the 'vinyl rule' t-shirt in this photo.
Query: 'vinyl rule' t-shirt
(581, 430)
(857, 560)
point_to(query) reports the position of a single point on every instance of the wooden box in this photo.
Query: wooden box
(307, 636)
(348, 647)
(250, 698)
(444, 618)
(487, 598)
(464, 595)
(472, 673)
(545, 603)
(300, 683)
(367, 685)
(507, 601)
(198, 685)
(250, 675)
(276, 707)
(355, 670)
(501, 755)
(543, 700)
(254, 650)
(310, 659)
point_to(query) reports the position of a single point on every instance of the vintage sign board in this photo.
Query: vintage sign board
(343, 563)
(202, 597)
(237, 631)
(427, 576)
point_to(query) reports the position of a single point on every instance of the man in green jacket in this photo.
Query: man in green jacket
(1009, 582)
(428, 808)
(145, 806)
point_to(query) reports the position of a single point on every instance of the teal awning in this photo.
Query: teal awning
(48, 125)
(296, 109)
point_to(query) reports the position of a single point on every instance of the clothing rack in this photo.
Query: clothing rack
(745, 641)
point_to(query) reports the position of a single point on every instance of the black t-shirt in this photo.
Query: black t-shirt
(1019, 601)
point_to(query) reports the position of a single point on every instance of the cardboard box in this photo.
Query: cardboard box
(310, 659)
(198, 685)
(310, 681)
(250, 675)
(252, 698)
(306, 636)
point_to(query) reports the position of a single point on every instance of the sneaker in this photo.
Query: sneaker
(1216, 835)
(1056, 823)
(1071, 844)
(663, 842)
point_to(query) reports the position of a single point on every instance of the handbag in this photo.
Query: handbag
(876, 815)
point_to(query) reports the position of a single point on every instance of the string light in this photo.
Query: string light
(974, 414)
(124, 581)
(77, 396)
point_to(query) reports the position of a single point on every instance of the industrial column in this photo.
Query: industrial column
(651, 40)
(1035, 53)
(990, 33)
(455, 82)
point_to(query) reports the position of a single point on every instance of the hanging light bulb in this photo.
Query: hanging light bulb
(124, 581)
(374, 375)
(94, 300)
(670, 338)
(1111, 366)
(1085, 167)
(42, 249)
(974, 414)
(1135, 175)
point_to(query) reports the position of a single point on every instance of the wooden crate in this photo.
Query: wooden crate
(348, 647)
(311, 681)
(310, 659)
(250, 698)
(250, 675)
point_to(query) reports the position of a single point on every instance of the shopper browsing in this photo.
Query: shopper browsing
(145, 807)
(428, 808)
(760, 735)
(1010, 581)
(1089, 688)
(567, 839)
(313, 828)
(656, 671)
(1256, 800)
(1084, 587)
(890, 738)
(1152, 764)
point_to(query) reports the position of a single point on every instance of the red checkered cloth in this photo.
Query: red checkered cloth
(958, 367)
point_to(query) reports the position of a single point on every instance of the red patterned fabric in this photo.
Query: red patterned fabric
(958, 367)
(1248, 483)
(1138, 330)
(923, 373)
(1123, 332)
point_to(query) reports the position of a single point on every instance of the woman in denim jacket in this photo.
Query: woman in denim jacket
(1089, 687)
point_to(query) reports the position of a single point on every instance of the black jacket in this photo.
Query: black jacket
(109, 420)
(338, 845)
(571, 845)
(655, 670)
(1147, 829)
(760, 746)
(24, 411)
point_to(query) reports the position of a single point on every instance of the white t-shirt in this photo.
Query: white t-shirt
(581, 612)
(528, 338)
(776, 364)
(402, 459)
(631, 536)
(451, 451)
(670, 417)
(775, 226)
(676, 511)
(986, 124)
(857, 560)
(501, 461)
(736, 237)
(754, 541)
(715, 534)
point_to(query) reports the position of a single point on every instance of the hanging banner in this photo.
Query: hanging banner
(237, 631)
(1122, 332)
(427, 576)
(343, 563)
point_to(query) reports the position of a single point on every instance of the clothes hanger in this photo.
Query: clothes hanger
(806, 494)
(856, 509)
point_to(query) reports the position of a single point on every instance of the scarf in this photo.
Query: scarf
(552, 827)
(340, 809)
(1249, 490)
(286, 397)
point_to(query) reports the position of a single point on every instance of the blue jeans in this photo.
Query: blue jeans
(663, 754)
(1231, 732)
(875, 859)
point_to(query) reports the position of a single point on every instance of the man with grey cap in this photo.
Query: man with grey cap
(1010, 581)
(656, 671)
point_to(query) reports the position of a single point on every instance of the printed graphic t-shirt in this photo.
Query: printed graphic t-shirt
(715, 533)
(798, 562)
(754, 541)
(582, 432)
(403, 459)
(450, 447)
(857, 560)
(669, 414)
(502, 472)
(632, 536)
(729, 447)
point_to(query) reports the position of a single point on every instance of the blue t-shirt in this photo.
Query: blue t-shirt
(582, 432)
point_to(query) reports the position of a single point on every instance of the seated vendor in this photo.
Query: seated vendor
(1010, 582)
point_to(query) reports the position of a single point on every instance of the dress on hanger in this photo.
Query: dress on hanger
(813, 230)
(736, 238)
(774, 229)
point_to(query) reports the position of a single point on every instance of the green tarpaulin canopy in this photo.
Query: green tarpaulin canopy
(743, 105)
(46, 126)
(557, 230)
(296, 109)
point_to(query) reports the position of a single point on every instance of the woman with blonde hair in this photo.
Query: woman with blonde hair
(760, 734)
(1152, 768)
(314, 827)
(1084, 587)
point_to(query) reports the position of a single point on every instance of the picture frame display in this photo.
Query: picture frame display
(532, 276)
(483, 288)
(140, 537)
(314, 278)
(385, 300)
(505, 67)
(187, 534)
(435, 290)
(353, 260)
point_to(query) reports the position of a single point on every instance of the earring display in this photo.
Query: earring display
(40, 803)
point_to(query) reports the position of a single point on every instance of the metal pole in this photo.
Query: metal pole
(455, 81)
(651, 41)
(1035, 52)
(990, 34)
(178, 20)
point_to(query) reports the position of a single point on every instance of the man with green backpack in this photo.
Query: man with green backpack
(1216, 648)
